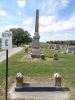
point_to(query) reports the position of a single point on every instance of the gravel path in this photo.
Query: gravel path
(10, 53)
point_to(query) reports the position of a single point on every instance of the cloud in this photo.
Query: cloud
(46, 20)
(51, 29)
(21, 3)
(64, 3)
(27, 21)
(52, 6)
(49, 24)
(60, 4)
(27, 25)
(62, 35)
(2, 13)
(7, 27)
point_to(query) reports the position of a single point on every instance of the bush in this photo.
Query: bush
(43, 57)
(55, 57)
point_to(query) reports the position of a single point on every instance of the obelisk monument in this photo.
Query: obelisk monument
(35, 42)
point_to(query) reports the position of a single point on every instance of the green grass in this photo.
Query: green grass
(45, 68)
(65, 66)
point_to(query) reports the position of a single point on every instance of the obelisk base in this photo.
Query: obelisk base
(35, 53)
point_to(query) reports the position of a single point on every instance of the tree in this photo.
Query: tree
(20, 36)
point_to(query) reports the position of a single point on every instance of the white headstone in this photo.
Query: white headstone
(71, 49)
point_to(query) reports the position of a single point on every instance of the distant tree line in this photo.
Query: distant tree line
(20, 36)
(66, 42)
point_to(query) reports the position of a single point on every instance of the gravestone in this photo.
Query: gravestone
(57, 78)
(38, 86)
(57, 47)
(19, 79)
(35, 42)
(70, 49)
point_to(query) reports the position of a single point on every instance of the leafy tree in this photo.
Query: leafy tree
(20, 36)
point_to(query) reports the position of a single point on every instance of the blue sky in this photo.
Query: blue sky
(57, 17)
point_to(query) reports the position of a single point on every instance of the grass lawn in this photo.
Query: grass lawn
(42, 69)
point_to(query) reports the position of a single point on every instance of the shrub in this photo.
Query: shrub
(55, 57)
(43, 57)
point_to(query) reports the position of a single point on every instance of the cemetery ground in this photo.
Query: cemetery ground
(40, 70)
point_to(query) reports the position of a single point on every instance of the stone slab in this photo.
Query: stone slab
(46, 95)
(29, 87)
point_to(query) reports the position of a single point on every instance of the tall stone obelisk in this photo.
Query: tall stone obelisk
(35, 42)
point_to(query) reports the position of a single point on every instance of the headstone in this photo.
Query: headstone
(38, 86)
(51, 46)
(70, 49)
(19, 79)
(57, 78)
(57, 47)
(35, 42)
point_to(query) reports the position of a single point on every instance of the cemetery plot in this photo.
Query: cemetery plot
(43, 69)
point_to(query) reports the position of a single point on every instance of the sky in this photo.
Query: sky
(56, 17)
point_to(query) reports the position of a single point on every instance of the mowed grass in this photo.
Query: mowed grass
(40, 68)
(65, 66)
